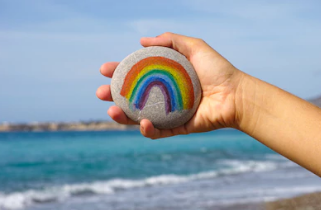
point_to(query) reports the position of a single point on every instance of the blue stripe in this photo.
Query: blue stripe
(168, 84)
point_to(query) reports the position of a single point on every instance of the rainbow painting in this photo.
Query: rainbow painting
(166, 74)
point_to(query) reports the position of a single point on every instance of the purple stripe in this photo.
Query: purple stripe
(143, 100)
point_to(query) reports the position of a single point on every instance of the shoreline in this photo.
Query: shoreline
(63, 126)
(94, 125)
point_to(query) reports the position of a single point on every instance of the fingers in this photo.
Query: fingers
(103, 93)
(183, 44)
(107, 69)
(146, 126)
(117, 114)
(149, 131)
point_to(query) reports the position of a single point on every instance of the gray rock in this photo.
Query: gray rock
(159, 84)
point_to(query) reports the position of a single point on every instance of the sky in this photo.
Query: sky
(51, 50)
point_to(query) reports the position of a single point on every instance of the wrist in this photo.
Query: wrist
(246, 102)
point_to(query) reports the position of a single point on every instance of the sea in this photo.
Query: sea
(122, 170)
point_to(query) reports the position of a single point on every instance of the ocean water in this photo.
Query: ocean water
(123, 170)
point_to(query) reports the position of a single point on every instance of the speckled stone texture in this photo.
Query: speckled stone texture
(159, 84)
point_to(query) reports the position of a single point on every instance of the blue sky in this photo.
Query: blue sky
(51, 51)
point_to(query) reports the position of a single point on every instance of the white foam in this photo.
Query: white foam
(237, 166)
(20, 200)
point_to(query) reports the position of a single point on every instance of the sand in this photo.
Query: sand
(310, 201)
(305, 202)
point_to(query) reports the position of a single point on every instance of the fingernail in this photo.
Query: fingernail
(142, 128)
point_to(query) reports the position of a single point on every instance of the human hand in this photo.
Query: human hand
(219, 81)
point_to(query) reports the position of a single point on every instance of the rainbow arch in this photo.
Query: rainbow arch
(164, 73)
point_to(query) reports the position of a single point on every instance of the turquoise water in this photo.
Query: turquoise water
(35, 160)
(43, 167)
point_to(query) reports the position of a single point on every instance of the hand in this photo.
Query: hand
(219, 81)
(231, 98)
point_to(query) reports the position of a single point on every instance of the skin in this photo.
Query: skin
(231, 98)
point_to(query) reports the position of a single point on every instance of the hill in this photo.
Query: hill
(83, 126)
(316, 101)
(63, 126)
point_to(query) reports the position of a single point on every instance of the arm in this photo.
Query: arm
(281, 121)
(231, 98)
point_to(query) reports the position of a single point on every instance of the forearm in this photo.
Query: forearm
(281, 121)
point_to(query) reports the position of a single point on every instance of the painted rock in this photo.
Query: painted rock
(159, 84)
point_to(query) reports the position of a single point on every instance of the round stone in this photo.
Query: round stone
(158, 84)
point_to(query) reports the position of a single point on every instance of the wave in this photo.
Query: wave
(19, 200)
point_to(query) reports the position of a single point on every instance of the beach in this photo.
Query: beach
(120, 170)
(311, 201)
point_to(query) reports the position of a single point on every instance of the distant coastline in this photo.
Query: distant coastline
(316, 101)
(81, 126)
(63, 126)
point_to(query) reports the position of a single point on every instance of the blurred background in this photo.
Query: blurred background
(50, 55)
(51, 51)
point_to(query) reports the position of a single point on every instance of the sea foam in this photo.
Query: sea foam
(19, 200)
